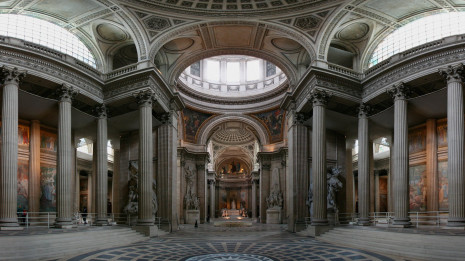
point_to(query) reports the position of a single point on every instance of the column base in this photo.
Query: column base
(314, 231)
(401, 223)
(63, 223)
(145, 222)
(320, 222)
(102, 222)
(456, 222)
(9, 223)
(364, 222)
(150, 231)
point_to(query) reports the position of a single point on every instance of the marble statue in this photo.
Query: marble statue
(131, 207)
(275, 199)
(310, 200)
(191, 201)
(333, 185)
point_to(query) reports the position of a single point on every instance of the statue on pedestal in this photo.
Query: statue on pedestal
(333, 185)
(191, 201)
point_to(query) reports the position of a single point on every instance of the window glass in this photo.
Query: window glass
(253, 70)
(419, 32)
(45, 33)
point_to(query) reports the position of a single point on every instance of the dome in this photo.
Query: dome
(233, 136)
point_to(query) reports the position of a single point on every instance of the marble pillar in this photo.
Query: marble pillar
(212, 198)
(319, 99)
(34, 167)
(101, 166)
(9, 157)
(117, 186)
(298, 174)
(363, 166)
(399, 93)
(432, 191)
(350, 187)
(168, 178)
(64, 159)
(455, 140)
(145, 100)
(254, 198)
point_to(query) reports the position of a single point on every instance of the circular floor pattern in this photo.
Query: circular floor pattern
(229, 257)
(198, 249)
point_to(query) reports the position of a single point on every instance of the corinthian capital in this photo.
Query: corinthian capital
(399, 91)
(452, 73)
(363, 110)
(66, 93)
(101, 110)
(13, 75)
(145, 98)
(319, 97)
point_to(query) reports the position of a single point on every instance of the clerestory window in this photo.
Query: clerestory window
(419, 32)
(45, 33)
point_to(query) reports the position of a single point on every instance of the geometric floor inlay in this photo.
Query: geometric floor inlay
(229, 256)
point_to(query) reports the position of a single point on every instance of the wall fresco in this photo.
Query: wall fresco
(417, 140)
(48, 200)
(48, 141)
(417, 191)
(443, 186)
(274, 123)
(192, 121)
(23, 185)
(442, 134)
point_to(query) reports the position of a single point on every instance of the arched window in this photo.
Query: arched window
(419, 32)
(45, 33)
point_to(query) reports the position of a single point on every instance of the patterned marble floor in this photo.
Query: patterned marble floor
(206, 243)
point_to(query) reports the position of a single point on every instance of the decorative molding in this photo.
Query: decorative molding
(319, 97)
(11, 75)
(453, 73)
(66, 93)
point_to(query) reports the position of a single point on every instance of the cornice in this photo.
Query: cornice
(51, 69)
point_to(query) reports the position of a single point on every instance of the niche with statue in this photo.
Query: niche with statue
(274, 201)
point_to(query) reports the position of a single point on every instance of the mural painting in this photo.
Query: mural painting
(48, 200)
(274, 122)
(443, 186)
(23, 135)
(442, 134)
(234, 166)
(48, 141)
(417, 140)
(23, 182)
(417, 191)
(192, 121)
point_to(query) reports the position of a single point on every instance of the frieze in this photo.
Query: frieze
(56, 73)
(425, 65)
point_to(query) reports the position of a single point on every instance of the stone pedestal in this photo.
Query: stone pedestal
(191, 216)
(273, 216)
(314, 231)
(150, 231)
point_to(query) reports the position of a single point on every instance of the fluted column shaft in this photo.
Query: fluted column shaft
(145, 217)
(9, 156)
(455, 140)
(102, 167)
(400, 156)
(319, 99)
(212, 199)
(363, 167)
(254, 199)
(64, 159)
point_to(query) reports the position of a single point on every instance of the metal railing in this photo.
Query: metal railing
(418, 218)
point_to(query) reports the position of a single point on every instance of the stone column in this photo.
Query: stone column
(254, 199)
(9, 157)
(298, 175)
(34, 167)
(169, 179)
(116, 189)
(145, 100)
(102, 166)
(350, 190)
(455, 150)
(432, 196)
(363, 166)
(212, 198)
(400, 158)
(319, 99)
(64, 159)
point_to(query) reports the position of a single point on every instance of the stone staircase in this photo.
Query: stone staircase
(410, 246)
(43, 246)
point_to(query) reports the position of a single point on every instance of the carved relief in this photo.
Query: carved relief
(308, 22)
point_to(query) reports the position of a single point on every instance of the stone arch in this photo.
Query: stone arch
(209, 128)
